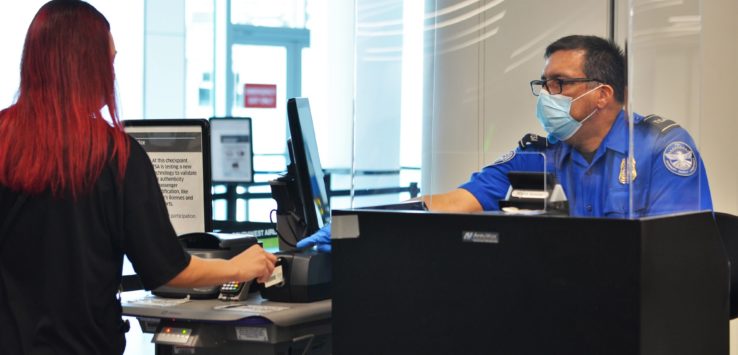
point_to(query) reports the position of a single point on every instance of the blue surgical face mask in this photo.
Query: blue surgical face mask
(553, 114)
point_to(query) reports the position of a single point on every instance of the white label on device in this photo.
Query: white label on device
(345, 226)
(529, 194)
(250, 308)
(277, 277)
(252, 334)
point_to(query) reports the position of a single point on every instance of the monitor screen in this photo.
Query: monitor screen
(179, 149)
(303, 149)
(231, 150)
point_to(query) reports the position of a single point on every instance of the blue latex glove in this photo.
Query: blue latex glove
(321, 238)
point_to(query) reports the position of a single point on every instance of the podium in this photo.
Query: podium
(438, 283)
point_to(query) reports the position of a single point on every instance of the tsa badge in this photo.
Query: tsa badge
(505, 158)
(679, 159)
(622, 177)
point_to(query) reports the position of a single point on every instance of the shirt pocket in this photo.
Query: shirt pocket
(616, 203)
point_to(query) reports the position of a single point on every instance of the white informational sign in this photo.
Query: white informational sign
(231, 150)
(177, 155)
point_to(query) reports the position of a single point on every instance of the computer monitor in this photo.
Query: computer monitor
(309, 177)
(231, 149)
(179, 149)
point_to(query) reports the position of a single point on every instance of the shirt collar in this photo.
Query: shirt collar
(616, 139)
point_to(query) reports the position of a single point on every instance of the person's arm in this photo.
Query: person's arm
(150, 241)
(252, 263)
(458, 200)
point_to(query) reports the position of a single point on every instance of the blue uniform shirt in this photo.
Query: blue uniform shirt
(669, 173)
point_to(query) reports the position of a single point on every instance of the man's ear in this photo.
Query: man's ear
(606, 95)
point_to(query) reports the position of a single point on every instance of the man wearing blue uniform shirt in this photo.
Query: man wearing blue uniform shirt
(580, 100)
(669, 175)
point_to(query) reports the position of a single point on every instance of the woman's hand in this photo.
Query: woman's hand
(254, 263)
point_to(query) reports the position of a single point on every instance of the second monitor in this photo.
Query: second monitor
(232, 150)
(302, 199)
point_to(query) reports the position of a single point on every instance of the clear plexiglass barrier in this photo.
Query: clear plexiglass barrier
(609, 98)
(663, 109)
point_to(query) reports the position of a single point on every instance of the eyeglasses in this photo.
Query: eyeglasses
(555, 86)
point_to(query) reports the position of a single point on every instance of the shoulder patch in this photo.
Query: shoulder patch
(679, 159)
(662, 125)
(534, 141)
(505, 158)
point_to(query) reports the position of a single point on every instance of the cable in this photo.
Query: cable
(289, 225)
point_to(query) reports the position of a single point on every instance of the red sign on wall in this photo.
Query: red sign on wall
(260, 95)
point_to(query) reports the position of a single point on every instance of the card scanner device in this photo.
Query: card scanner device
(534, 191)
(306, 277)
(211, 245)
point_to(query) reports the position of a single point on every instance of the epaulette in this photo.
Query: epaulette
(535, 141)
(660, 124)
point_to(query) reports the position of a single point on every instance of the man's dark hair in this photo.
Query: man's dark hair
(604, 60)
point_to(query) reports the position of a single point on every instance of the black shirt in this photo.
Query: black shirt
(61, 261)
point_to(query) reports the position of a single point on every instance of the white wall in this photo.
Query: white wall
(719, 56)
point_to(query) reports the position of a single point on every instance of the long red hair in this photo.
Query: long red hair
(54, 138)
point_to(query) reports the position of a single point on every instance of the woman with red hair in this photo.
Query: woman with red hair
(77, 193)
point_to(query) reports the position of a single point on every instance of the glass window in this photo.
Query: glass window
(262, 65)
(199, 77)
(274, 13)
(388, 122)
